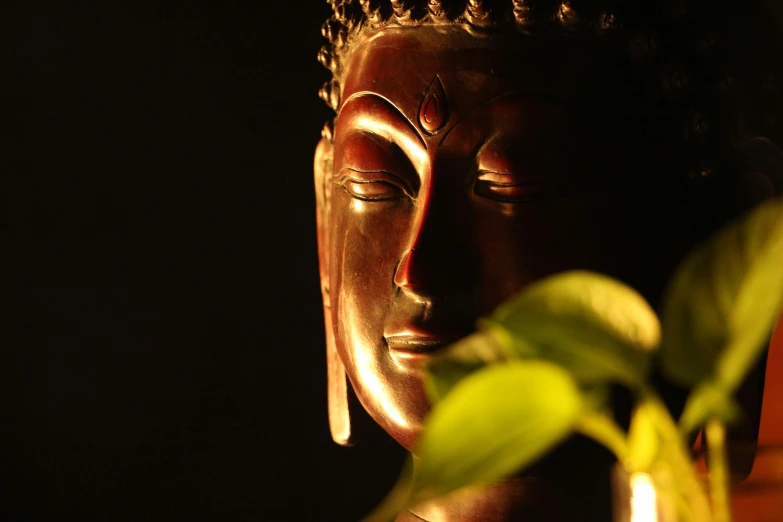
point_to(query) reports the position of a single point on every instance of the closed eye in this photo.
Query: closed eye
(508, 188)
(373, 186)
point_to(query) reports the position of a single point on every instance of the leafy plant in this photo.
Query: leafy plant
(539, 369)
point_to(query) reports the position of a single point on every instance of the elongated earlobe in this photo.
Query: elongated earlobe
(337, 381)
(337, 389)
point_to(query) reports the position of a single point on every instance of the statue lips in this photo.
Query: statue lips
(412, 349)
(416, 328)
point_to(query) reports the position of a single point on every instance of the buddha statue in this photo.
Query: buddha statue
(481, 145)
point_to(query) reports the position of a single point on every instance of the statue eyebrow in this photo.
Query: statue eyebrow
(392, 109)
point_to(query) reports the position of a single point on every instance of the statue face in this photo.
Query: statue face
(465, 168)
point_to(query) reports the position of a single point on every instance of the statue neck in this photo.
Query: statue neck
(494, 503)
(563, 493)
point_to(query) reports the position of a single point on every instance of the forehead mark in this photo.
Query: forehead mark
(434, 108)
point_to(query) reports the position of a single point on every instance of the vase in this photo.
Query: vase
(755, 492)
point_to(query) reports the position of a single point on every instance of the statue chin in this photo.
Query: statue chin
(463, 165)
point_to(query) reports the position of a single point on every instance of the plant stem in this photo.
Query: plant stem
(679, 457)
(715, 433)
(602, 429)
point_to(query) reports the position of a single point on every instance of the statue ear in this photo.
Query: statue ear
(322, 169)
(762, 166)
(337, 381)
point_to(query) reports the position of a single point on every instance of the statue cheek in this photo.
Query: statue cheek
(367, 240)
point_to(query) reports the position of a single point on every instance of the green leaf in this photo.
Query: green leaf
(594, 326)
(723, 301)
(708, 401)
(460, 359)
(494, 422)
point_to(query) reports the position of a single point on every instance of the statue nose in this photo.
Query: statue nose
(404, 276)
(432, 270)
(438, 269)
(418, 276)
(436, 264)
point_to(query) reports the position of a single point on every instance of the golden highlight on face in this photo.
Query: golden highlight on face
(461, 173)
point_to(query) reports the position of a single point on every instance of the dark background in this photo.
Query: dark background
(163, 358)
(166, 356)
